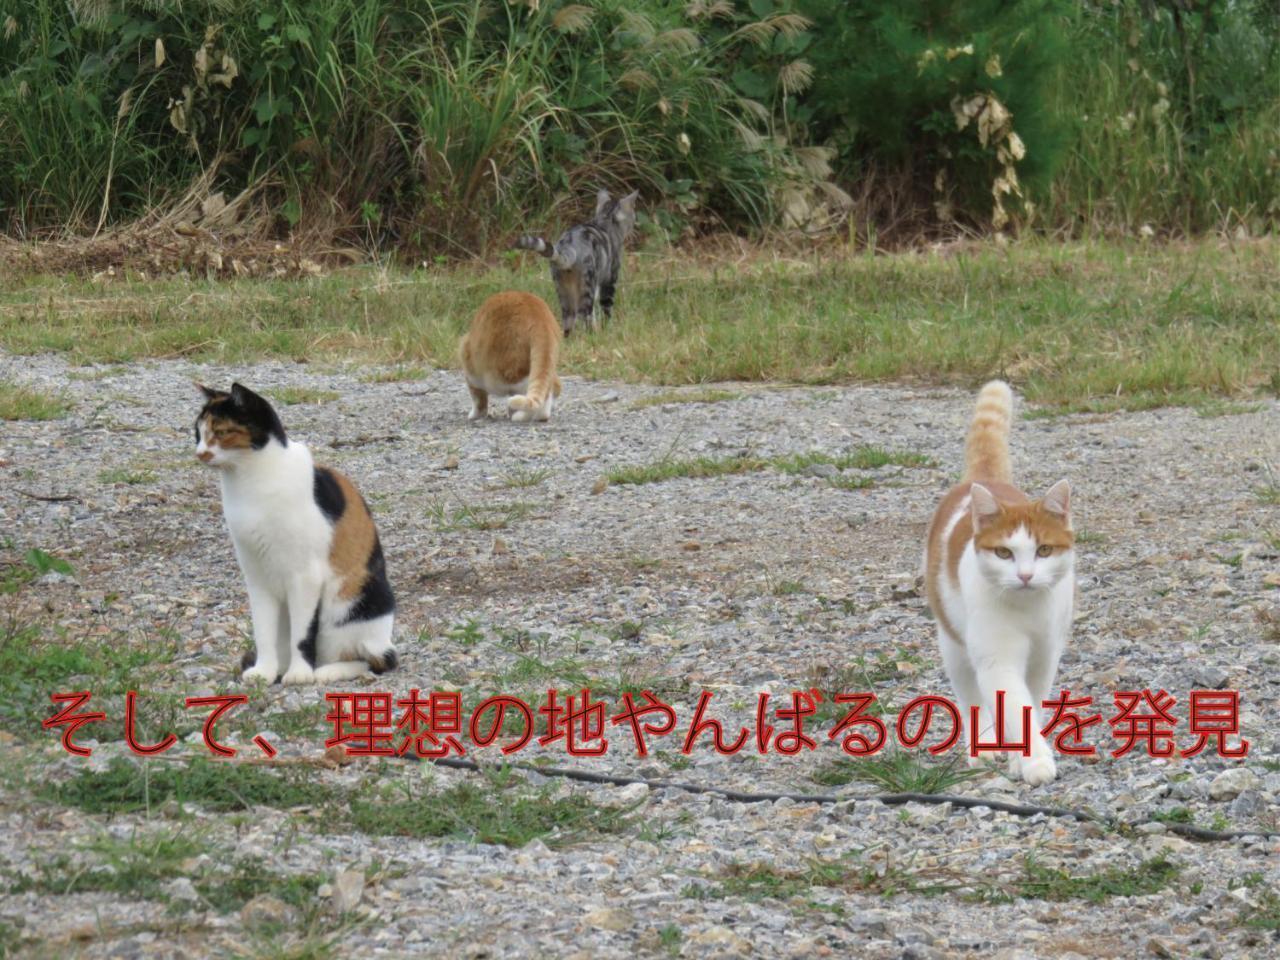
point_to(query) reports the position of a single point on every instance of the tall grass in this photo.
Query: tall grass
(432, 127)
(440, 128)
(1174, 139)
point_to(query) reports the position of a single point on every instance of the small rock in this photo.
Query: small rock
(348, 888)
(1220, 589)
(610, 918)
(451, 463)
(181, 888)
(821, 470)
(600, 486)
(633, 792)
(722, 937)
(264, 908)
(1229, 784)
(500, 547)
(1211, 677)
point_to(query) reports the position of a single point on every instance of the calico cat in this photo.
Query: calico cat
(511, 351)
(586, 260)
(1000, 579)
(321, 606)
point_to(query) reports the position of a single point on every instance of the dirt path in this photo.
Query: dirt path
(515, 572)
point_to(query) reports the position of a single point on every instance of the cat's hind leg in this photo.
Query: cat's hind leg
(342, 670)
(479, 403)
(607, 290)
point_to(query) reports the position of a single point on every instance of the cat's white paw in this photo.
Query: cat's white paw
(475, 414)
(257, 673)
(299, 674)
(1038, 770)
(519, 416)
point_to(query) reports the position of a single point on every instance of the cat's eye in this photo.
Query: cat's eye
(1004, 553)
(1044, 550)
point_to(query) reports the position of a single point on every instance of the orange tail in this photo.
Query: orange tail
(986, 448)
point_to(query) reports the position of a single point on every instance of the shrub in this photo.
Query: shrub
(954, 92)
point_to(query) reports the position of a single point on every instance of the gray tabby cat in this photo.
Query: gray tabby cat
(585, 261)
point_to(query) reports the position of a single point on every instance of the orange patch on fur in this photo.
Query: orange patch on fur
(353, 538)
(227, 434)
(514, 336)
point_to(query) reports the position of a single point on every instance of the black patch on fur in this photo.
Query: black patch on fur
(385, 663)
(376, 599)
(328, 494)
(308, 645)
(246, 408)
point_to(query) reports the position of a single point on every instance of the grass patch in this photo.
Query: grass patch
(698, 469)
(492, 813)
(1056, 883)
(36, 661)
(127, 476)
(1225, 408)
(1270, 494)
(898, 772)
(291, 396)
(755, 882)
(520, 478)
(23, 403)
(481, 517)
(126, 787)
(686, 396)
(400, 374)
(1098, 326)
(861, 458)
(139, 868)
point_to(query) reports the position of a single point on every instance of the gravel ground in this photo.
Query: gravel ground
(517, 569)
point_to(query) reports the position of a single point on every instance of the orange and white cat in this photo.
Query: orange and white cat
(511, 351)
(1000, 578)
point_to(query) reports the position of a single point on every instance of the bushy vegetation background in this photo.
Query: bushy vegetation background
(439, 127)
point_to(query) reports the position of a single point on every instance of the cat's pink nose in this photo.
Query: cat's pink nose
(1025, 578)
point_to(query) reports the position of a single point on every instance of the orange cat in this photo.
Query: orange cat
(511, 351)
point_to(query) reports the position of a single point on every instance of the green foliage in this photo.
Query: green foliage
(427, 126)
(1176, 120)
(893, 81)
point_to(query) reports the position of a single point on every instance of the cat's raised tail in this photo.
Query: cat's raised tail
(986, 448)
(542, 381)
(544, 247)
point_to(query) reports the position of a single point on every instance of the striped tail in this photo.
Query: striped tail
(561, 259)
(542, 379)
(536, 244)
(986, 448)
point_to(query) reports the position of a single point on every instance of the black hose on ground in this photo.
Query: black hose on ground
(891, 799)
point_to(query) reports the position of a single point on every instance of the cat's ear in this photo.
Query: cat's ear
(245, 398)
(1058, 501)
(983, 505)
(628, 202)
(602, 200)
(209, 392)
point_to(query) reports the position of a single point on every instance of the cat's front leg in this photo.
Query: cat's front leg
(304, 631)
(269, 616)
(1004, 671)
